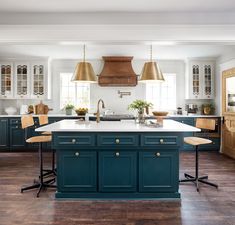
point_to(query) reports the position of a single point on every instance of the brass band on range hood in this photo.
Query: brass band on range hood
(84, 71)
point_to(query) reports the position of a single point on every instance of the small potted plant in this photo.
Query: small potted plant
(68, 109)
(139, 106)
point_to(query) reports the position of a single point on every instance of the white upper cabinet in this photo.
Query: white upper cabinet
(200, 80)
(38, 80)
(24, 80)
(6, 80)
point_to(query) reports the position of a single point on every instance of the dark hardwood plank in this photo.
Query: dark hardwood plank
(209, 207)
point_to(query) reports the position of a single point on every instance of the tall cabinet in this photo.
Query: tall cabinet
(24, 79)
(200, 79)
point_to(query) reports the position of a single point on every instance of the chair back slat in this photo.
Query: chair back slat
(27, 121)
(205, 123)
(43, 119)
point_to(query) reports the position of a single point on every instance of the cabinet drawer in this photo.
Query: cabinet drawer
(15, 121)
(153, 140)
(117, 140)
(75, 140)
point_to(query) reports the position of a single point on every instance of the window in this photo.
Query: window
(163, 95)
(74, 93)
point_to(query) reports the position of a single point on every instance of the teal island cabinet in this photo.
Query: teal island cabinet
(111, 160)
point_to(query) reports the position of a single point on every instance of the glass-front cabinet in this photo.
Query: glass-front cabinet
(22, 77)
(38, 82)
(6, 83)
(200, 80)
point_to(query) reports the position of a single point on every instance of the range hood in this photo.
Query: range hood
(117, 71)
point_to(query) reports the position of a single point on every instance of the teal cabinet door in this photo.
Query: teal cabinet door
(77, 170)
(158, 171)
(117, 171)
(4, 141)
(17, 134)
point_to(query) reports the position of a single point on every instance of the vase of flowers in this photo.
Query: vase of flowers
(139, 106)
(69, 109)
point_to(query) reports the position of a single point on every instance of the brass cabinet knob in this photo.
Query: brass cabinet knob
(161, 141)
(117, 141)
(73, 141)
(158, 154)
(77, 153)
(17, 127)
(117, 154)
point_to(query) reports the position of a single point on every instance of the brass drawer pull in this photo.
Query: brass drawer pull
(117, 141)
(73, 141)
(77, 153)
(17, 127)
(161, 141)
(117, 154)
(158, 154)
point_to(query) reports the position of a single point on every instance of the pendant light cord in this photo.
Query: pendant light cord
(84, 53)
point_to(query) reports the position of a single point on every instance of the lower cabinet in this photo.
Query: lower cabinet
(17, 134)
(158, 171)
(117, 171)
(4, 141)
(77, 171)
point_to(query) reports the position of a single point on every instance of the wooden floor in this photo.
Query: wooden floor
(209, 207)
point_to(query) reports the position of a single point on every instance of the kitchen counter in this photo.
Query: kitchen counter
(75, 116)
(118, 159)
(115, 126)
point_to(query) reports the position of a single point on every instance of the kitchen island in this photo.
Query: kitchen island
(110, 160)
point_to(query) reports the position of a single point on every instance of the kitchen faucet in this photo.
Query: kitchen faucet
(98, 110)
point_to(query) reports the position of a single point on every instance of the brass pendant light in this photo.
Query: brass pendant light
(84, 71)
(151, 71)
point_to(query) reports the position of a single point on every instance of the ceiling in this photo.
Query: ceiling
(96, 51)
(117, 6)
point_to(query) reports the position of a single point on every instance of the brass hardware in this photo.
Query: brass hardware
(77, 153)
(117, 141)
(73, 141)
(17, 127)
(117, 154)
(158, 154)
(17, 121)
(161, 141)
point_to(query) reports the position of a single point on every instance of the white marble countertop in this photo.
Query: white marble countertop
(75, 116)
(115, 126)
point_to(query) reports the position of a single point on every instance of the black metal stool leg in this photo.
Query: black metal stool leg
(197, 179)
(41, 183)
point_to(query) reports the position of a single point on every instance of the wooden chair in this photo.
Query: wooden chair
(27, 121)
(43, 120)
(204, 124)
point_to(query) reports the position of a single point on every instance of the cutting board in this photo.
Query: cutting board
(42, 108)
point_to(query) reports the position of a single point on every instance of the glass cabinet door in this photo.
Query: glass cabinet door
(22, 80)
(195, 81)
(6, 80)
(38, 82)
(207, 81)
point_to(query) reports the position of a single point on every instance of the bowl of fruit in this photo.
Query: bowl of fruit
(81, 111)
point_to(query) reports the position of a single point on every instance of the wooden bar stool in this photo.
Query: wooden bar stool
(204, 124)
(43, 120)
(27, 121)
